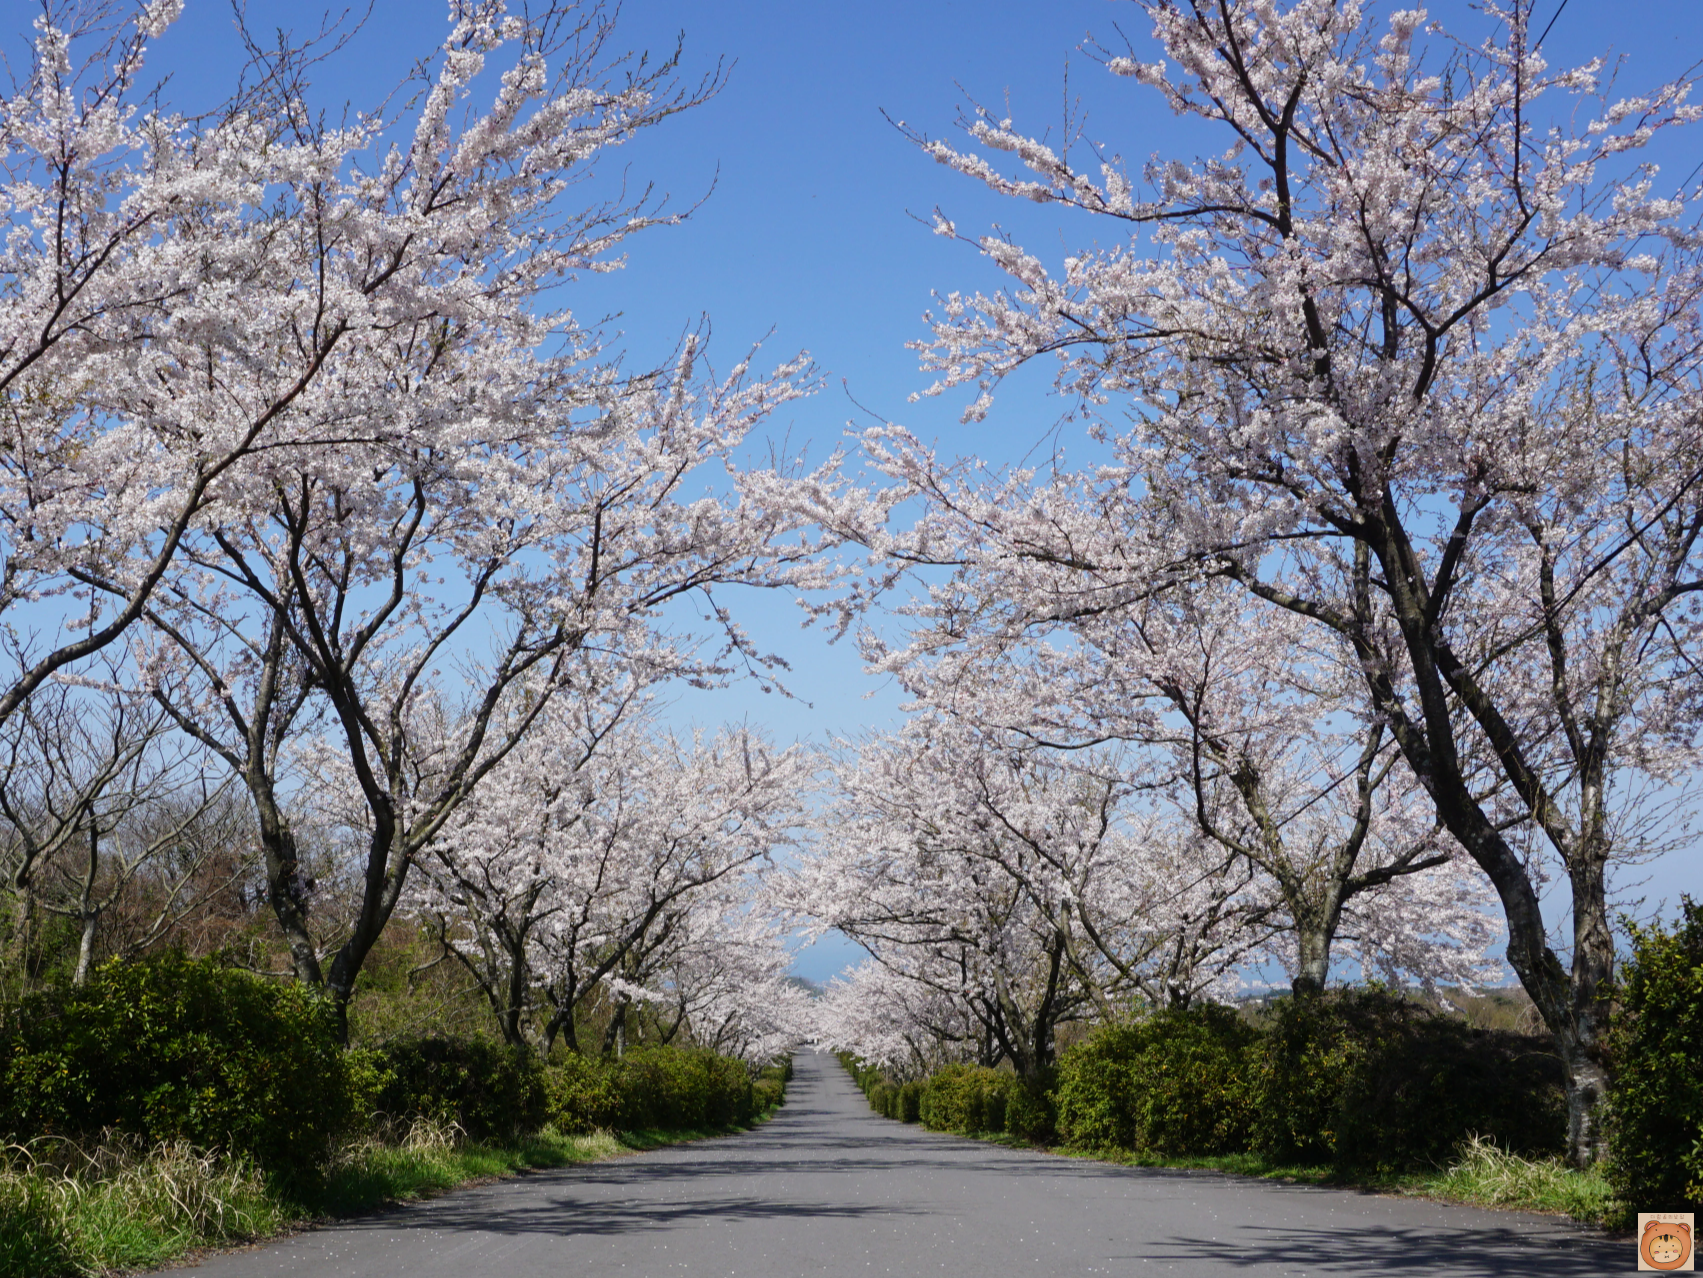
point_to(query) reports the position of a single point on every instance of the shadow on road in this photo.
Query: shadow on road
(562, 1216)
(1384, 1250)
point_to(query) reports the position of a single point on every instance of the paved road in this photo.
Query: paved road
(827, 1188)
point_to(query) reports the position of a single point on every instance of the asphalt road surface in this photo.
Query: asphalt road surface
(827, 1188)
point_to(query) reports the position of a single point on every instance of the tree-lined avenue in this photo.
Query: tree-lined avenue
(827, 1188)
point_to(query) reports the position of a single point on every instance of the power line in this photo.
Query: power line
(1545, 34)
(1694, 172)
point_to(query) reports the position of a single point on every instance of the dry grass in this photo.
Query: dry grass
(70, 1209)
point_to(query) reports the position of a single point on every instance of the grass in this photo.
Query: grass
(70, 1212)
(67, 1210)
(432, 1159)
(1229, 1164)
(1491, 1177)
(1482, 1176)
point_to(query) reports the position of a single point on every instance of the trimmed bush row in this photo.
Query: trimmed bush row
(497, 1092)
(659, 1087)
(493, 1092)
(1655, 1120)
(1362, 1080)
(961, 1098)
(1368, 1081)
(178, 1049)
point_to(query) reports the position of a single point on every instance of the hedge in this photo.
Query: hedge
(1368, 1081)
(1174, 1083)
(1655, 1115)
(965, 1098)
(962, 1098)
(489, 1090)
(1361, 1080)
(171, 1047)
(887, 1097)
(650, 1087)
(769, 1087)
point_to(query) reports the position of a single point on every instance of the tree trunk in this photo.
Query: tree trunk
(1028, 1040)
(561, 1023)
(17, 958)
(513, 1032)
(1593, 976)
(286, 886)
(85, 949)
(615, 1033)
(1312, 964)
(1315, 932)
(1569, 1002)
(1587, 1088)
(87, 914)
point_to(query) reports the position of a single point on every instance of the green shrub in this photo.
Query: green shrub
(883, 1092)
(1308, 1054)
(582, 1095)
(490, 1090)
(1366, 1080)
(907, 1107)
(1655, 1116)
(966, 1099)
(866, 1076)
(1419, 1099)
(1173, 1083)
(1031, 1111)
(172, 1048)
(1097, 1089)
(769, 1087)
(650, 1087)
(721, 1088)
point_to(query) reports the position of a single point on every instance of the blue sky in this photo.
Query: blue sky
(811, 234)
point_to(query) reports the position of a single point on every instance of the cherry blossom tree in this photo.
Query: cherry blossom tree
(187, 294)
(722, 980)
(1266, 745)
(575, 871)
(1415, 359)
(904, 1023)
(400, 609)
(491, 880)
(1023, 888)
(110, 232)
(317, 613)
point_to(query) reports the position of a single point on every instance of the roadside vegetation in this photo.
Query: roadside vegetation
(1480, 1173)
(177, 1103)
(1361, 1088)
